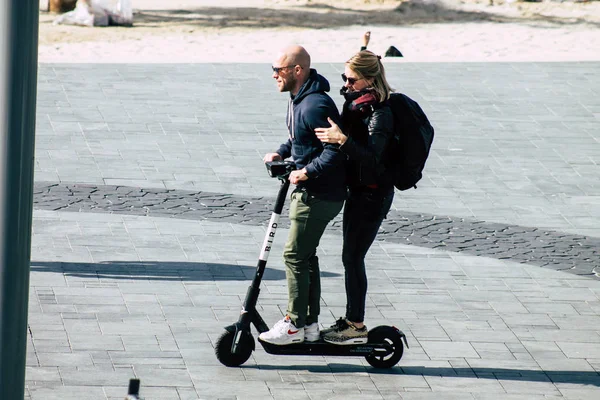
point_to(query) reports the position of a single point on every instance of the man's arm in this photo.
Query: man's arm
(285, 150)
(331, 156)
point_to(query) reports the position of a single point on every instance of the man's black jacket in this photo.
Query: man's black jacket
(324, 163)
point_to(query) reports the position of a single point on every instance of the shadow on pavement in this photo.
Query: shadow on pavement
(578, 377)
(160, 271)
(581, 377)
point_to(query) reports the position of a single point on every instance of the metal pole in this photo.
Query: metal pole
(18, 85)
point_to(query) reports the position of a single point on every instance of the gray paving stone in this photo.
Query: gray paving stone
(436, 395)
(579, 350)
(67, 393)
(491, 396)
(117, 393)
(579, 336)
(63, 360)
(495, 351)
(468, 385)
(544, 350)
(578, 322)
(43, 374)
(90, 342)
(527, 387)
(578, 393)
(443, 350)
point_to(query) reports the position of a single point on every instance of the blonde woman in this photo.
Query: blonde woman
(368, 123)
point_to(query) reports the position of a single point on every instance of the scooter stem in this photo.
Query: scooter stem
(254, 289)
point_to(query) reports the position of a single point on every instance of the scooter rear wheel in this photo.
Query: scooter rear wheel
(390, 336)
(223, 349)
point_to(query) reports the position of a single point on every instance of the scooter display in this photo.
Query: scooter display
(383, 349)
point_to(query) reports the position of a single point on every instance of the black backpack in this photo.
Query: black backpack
(411, 143)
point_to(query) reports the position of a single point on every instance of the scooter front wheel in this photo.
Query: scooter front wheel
(393, 338)
(244, 349)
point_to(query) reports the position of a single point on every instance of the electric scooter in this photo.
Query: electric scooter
(383, 349)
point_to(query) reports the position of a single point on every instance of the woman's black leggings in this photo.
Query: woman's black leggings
(364, 212)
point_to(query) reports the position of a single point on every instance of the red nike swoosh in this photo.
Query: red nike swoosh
(291, 332)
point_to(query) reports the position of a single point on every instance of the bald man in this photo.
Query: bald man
(319, 194)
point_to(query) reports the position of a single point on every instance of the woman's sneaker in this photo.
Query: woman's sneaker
(311, 332)
(283, 332)
(340, 324)
(349, 335)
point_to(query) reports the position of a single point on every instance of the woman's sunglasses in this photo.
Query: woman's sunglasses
(351, 81)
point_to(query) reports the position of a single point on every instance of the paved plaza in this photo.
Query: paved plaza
(150, 206)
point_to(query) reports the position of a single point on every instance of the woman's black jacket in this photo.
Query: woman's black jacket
(370, 131)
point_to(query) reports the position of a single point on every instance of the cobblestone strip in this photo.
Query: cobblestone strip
(559, 251)
(576, 254)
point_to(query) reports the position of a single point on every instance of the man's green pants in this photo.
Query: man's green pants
(309, 217)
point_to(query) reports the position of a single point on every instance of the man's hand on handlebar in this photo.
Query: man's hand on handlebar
(297, 176)
(271, 157)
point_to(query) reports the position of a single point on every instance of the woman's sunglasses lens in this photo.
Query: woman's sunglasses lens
(352, 81)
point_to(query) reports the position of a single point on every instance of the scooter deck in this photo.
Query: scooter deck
(323, 348)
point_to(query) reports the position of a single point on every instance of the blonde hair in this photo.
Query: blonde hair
(367, 64)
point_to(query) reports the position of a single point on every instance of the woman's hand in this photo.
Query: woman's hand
(332, 134)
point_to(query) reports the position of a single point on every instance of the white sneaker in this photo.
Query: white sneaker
(311, 332)
(283, 332)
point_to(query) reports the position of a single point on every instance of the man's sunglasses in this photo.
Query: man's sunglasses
(277, 70)
(351, 81)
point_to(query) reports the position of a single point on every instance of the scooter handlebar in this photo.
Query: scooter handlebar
(280, 169)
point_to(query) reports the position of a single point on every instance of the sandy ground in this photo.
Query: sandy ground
(201, 31)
